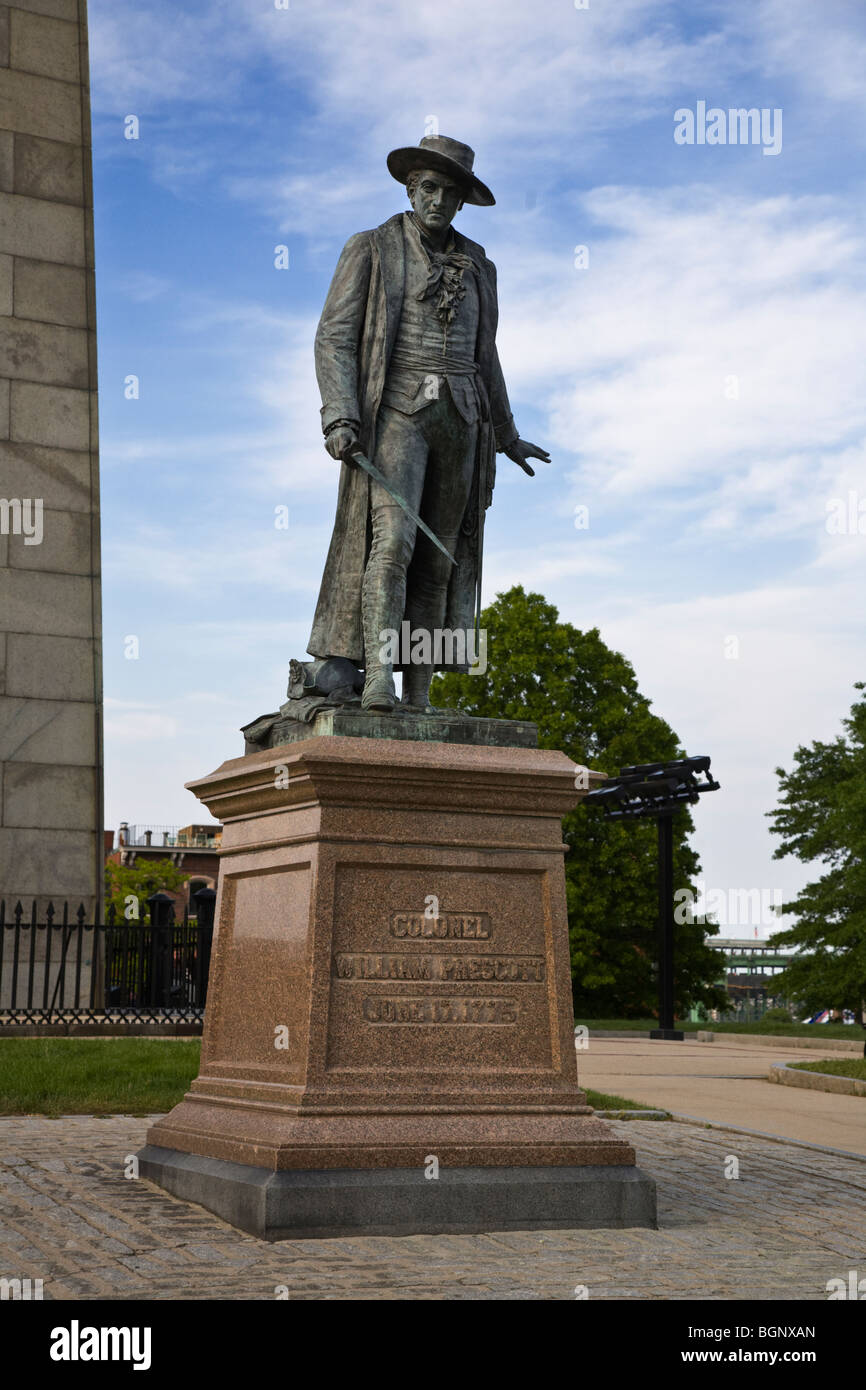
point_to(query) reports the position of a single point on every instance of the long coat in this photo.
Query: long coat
(354, 342)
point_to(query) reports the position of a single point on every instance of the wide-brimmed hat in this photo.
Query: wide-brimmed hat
(448, 157)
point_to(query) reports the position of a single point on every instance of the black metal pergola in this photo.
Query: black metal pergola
(660, 790)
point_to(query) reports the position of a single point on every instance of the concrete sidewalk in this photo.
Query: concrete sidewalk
(725, 1082)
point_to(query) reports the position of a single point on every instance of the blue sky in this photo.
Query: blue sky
(700, 384)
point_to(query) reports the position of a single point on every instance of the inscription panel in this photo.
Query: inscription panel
(413, 965)
(382, 1008)
(417, 988)
(441, 926)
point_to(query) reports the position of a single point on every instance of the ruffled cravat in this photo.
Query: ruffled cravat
(444, 277)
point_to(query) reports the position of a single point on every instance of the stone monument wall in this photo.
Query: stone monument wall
(50, 601)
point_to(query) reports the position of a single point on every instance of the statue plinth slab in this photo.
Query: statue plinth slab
(439, 726)
(390, 985)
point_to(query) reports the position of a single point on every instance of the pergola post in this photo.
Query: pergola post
(658, 789)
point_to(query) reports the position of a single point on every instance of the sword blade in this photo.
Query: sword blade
(355, 456)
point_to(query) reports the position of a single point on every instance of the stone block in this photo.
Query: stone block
(55, 9)
(40, 44)
(61, 477)
(40, 106)
(7, 161)
(5, 285)
(4, 36)
(50, 293)
(43, 352)
(39, 602)
(402, 1201)
(52, 415)
(50, 668)
(43, 796)
(47, 731)
(66, 547)
(48, 169)
(42, 230)
(5, 392)
(59, 866)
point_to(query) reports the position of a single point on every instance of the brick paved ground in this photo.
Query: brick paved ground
(795, 1218)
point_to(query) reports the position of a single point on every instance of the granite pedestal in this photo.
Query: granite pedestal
(390, 1000)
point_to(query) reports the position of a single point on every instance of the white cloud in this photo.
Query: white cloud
(299, 202)
(146, 56)
(799, 653)
(253, 556)
(823, 47)
(526, 85)
(127, 722)
(694, 288)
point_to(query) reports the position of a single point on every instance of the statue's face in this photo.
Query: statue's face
(435, 200)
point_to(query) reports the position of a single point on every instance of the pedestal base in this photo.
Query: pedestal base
(390, 989)
(402, 1201)
(667, 1034)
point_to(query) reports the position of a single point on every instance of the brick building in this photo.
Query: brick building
(192, 848)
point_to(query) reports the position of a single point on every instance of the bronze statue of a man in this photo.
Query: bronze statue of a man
(408, 372)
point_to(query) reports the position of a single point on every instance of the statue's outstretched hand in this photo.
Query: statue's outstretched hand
(338, 441)
(521, 450)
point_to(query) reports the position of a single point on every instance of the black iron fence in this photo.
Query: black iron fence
(61, 969)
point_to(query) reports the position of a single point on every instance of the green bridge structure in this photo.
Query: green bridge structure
(747, 977)
(754, 957)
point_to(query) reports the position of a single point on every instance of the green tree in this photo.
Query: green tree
(585, 700)
(138, 881)
(821, 818)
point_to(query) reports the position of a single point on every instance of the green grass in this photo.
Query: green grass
(836, 1066)
(850, 1032)
(599, 1100)
(127, 1076)
(94, 1076)
(636, 1025)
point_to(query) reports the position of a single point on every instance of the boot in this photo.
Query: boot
(416, 687)
(425, 609)
(379, 689)
(382, 600)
